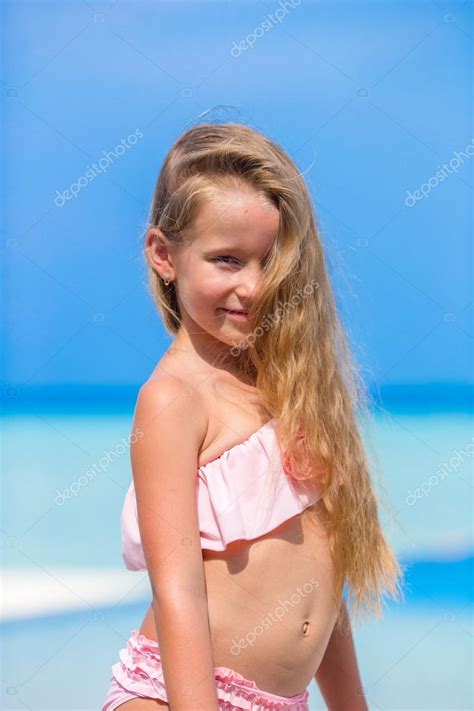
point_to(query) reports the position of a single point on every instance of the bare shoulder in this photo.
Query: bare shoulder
(173, 403)
(172, 422)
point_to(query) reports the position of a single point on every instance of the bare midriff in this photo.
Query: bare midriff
(271, 605)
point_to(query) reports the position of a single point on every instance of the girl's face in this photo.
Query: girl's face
(218, 273)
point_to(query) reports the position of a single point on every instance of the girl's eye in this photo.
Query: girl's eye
(225, 257)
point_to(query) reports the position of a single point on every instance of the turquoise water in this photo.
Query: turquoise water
(418, 657)
(47, 455)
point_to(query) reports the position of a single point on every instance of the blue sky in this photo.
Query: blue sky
(370, 99)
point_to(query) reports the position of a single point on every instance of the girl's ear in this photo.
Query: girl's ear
(158, 252)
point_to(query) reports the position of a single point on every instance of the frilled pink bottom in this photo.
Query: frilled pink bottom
(139, 674)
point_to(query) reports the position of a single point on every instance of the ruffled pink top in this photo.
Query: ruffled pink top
(242, 494)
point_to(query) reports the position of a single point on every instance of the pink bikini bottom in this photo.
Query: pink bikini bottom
(139, 674)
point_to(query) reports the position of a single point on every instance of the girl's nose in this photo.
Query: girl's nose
(247, 284)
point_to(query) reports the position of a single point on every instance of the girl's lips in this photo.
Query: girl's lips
(241, 315)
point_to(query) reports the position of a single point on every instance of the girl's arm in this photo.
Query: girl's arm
(338, 674)
(172, 423)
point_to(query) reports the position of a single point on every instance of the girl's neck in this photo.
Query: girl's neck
(221, 360)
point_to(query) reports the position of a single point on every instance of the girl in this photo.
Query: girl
(251, 505)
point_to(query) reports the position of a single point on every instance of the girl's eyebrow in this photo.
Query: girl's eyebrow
(225, 248)
(216, 244)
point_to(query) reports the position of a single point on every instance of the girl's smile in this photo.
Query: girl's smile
(238, 315)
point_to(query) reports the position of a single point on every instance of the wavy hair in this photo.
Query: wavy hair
(297, 350)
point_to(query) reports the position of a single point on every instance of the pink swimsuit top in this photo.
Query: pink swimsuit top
(243, 493)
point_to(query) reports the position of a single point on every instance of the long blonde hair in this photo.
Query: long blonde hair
(297, 348)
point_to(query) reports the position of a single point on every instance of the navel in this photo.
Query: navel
(305, 627)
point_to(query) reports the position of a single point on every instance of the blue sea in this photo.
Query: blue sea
(65, 477)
